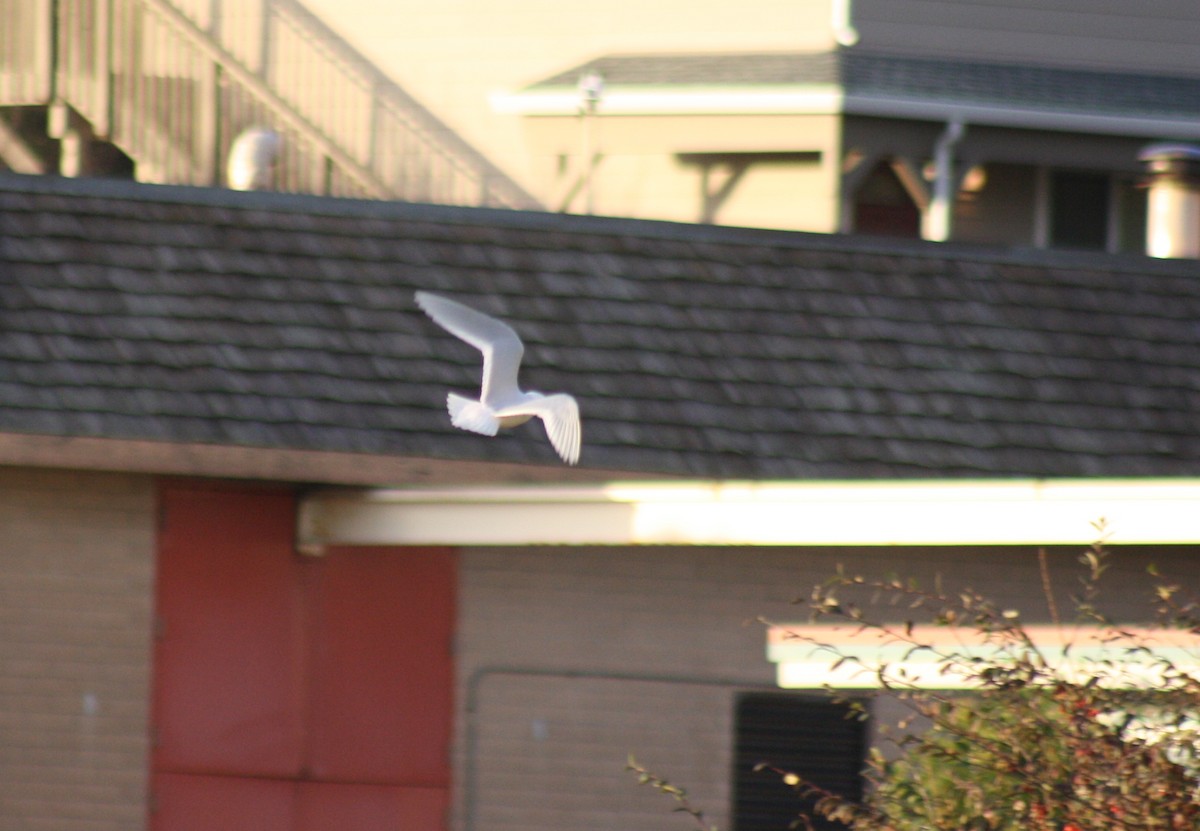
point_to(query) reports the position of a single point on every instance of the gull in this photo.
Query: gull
(501, 402)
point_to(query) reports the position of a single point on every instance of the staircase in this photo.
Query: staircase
(159, 90)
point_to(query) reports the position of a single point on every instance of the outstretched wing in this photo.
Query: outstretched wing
(560, 414)
(500, 345)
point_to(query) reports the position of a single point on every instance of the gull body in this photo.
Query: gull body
(502, 404)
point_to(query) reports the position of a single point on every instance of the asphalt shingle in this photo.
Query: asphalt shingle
(276, 321)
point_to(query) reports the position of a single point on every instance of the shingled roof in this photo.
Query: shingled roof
(288, 322)
(871, 75)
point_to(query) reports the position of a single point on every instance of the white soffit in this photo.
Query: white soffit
(1016, 512)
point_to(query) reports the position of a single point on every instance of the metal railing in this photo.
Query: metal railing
(173, 82)
(26, 52)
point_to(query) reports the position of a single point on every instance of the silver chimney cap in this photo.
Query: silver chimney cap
(1172, 199)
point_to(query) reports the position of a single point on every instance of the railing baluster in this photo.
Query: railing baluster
(266, 26)
(173, 81)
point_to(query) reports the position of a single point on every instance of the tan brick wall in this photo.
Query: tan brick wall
(570, 659)
(76, 571)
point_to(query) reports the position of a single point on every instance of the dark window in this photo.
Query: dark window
(1079, 210)
(1131, 207)
(882, 206)
(809, 735)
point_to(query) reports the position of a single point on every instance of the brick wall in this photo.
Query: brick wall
(570, 659)
(76, 566)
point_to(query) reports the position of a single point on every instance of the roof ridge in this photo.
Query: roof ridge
(104, 191)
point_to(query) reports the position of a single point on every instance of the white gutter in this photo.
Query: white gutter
(1021, 117)
(1024, 512)
(791, 99)
(830, 99)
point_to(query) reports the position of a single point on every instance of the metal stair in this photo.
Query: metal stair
(161, 88)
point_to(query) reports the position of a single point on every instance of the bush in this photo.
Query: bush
(1096, 733)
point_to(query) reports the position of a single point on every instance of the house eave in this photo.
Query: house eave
(1029, 118)
(831, 99)
(744, 513)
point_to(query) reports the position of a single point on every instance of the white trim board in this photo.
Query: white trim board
(942, 512)
(831, 99)
(812, 656)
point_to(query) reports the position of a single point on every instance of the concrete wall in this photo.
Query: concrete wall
(571, 659)
(76, 573)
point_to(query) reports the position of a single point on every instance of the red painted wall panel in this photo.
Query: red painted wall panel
(333, 807)
(190, 802)
(229, 660)
(292, 693)
(382, 680)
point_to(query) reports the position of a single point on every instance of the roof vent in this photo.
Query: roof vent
(1173, 215)
(252, 159)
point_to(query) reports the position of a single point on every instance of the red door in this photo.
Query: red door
(290, 692)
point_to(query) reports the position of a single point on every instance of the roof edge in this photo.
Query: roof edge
(275, 464)
(926, 109)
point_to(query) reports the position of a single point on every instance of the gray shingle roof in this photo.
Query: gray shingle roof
(977, 83)
(288, 322)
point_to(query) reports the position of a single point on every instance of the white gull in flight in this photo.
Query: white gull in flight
(501, 402)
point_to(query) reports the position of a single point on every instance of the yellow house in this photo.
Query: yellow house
(967, 121)
(858, 141)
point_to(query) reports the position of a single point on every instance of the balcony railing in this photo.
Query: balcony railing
(173, 82)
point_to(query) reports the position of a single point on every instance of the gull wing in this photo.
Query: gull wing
(560, 414)
(501, 347)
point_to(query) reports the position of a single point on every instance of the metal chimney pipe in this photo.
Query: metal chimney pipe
(1173, 206)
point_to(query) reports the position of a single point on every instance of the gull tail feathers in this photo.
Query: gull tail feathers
(471, 415)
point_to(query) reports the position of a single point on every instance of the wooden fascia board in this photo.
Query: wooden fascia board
(271, 464)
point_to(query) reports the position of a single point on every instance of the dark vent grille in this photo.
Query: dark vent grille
(808, 735)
